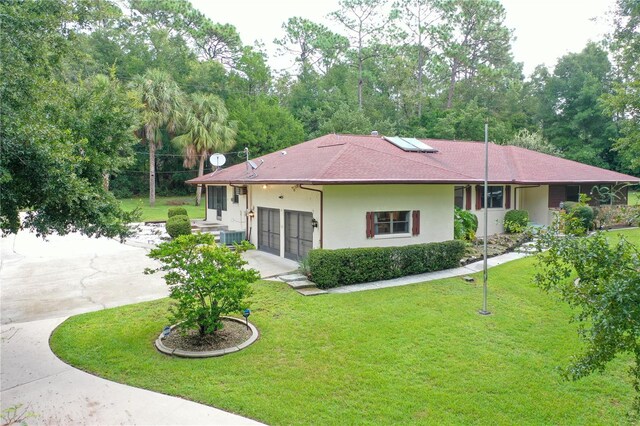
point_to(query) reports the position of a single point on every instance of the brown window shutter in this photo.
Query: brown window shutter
(507, 197)
(479, 195)
(370, 225)
(415, 221)
(467, 197)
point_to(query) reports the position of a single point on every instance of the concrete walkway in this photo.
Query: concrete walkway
(471, 268)
(41, 283)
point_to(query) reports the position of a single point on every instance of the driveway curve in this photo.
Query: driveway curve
(44, 282)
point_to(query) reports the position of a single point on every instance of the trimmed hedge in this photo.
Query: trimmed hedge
(333, 268)
(176, 211)
(515, 220)
(178, 225)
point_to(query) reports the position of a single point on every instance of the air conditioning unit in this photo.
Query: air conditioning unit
(229, 237)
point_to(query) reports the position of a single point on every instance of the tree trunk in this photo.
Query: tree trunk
(152, 174)
(105, 181)
(452, 83)
(420, 65)
(200, 173)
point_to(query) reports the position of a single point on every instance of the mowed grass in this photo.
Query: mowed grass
(163, 204)
(418, 354)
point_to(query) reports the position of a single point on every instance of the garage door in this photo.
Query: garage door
(298, 234)
(269, 230)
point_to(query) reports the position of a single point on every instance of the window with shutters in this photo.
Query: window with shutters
(495, 196)
(459, 196)
(385, 223)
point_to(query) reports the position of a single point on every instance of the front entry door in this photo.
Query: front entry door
(269, 230)
(298, 234)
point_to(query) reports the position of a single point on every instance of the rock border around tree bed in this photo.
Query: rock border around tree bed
(208, 354)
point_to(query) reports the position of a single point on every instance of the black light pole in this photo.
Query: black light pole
(484, 310)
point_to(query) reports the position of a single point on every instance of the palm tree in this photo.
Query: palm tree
(161, 100)
(206, 129)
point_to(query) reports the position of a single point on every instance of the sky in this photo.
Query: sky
(544, 29)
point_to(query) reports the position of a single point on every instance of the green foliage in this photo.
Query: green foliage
(205, 281)
(178, 225)
(516, 221)
(465, 224)
(60, 139)
(624, 100)
(533, 141)
(332, 268)
(605, 296)
(578, 218)
(574, 118)
(176, 211)
(608, 216)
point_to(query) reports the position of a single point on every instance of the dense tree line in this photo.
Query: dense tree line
(131, 96)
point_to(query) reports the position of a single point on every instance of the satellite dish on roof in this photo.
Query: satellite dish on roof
(218, 160)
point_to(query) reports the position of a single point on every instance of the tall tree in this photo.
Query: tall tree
(314, 45)
(205, 128)
(364, 21)
(161, 99)
(473, 41)
(52, 161)
(420, 18)
(625, 99)
(572, 115)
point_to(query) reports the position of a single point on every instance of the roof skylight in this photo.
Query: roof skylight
(410, 144)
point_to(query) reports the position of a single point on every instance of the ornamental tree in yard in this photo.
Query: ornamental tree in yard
(605, 296)
(206, 281)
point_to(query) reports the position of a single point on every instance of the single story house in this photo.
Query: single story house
(340, 191)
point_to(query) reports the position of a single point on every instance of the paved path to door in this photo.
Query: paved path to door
(42, 283)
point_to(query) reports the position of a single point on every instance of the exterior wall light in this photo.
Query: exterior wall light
(250, 214)
(264, 186)
(314, 223)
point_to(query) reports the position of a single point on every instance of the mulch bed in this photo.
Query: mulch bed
(232, 334)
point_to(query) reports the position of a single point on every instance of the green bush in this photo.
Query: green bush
(465, 224)
(178, 225)
(582, 212)
(332, 268)
(515, 221)
(176, 211)
(206, 281)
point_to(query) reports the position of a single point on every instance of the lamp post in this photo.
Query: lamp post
(484, 310)
(246, 314)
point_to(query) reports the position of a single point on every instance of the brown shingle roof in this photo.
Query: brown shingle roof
(342, 159)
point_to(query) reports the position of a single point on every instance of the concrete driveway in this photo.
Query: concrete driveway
(42, 283)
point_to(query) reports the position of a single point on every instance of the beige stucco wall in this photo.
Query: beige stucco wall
(495, 219)
(345, 208)
(234, 217)
(284, 197)
(536, 201)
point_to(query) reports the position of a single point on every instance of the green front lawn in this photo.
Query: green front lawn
(163, 204)
(404, 355)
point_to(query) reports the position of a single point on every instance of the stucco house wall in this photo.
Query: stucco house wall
(345, 208)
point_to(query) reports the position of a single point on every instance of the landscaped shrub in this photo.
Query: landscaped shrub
(176, 211)
(465, 224)
(178, 225)
(516, 221)
(583, 213)
(332, 268)
(608, 216)
(206, 281)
